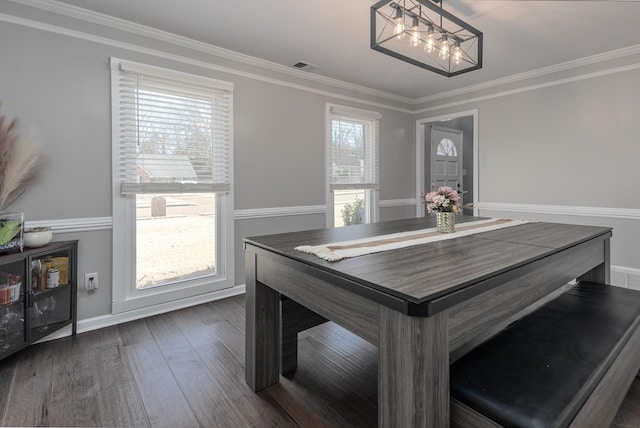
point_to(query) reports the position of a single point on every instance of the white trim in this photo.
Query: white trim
(420, 152)
(103, 321)
(189, 61)
(372, 194)
(625, 273)
(70, 225)
(185, 42)
(358, 113)
(551, 83)
(569, 65)
(130, 27)
(608, 212)
(624, 269)
(125, 296)
(397, 202)
(257, 213)
(90, 224)
(165, 73)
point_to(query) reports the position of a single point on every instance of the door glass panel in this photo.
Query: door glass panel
(446, 147)
(12, 326)
(50, 283)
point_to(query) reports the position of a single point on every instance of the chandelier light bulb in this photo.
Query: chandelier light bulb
(399, 31)
(457, 52)
(444, 47)
(415, 33)
(428, 46)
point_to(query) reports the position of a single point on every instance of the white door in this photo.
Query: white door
(446, 158)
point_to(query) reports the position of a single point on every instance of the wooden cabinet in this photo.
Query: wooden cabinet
(38, 294)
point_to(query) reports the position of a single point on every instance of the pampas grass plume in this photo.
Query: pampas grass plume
(20, 161)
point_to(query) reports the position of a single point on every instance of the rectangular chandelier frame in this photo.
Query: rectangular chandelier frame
(423, 14)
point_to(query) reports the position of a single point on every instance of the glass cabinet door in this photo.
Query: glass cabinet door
(12, 306)
(51, 293)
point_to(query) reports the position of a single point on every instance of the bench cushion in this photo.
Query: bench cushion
(540, 370)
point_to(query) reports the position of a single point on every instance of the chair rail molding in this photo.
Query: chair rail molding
(256, 213)
(69, 225)
(396, 202)
(608, 212)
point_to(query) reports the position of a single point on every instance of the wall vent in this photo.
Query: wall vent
(304, 66)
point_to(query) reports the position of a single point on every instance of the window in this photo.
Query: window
(352, 156)
(172, 201)
(446, 148)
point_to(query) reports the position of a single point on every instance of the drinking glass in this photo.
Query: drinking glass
(45, 307)
(36, 269)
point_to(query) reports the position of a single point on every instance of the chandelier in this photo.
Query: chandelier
(422, 33)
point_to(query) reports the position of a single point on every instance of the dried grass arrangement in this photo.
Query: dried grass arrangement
(20, 159)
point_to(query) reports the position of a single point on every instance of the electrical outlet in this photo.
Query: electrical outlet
(91, 281)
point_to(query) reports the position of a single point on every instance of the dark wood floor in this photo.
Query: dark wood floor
(185, 369)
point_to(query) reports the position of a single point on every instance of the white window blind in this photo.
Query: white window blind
(174, 130)
(352, 148)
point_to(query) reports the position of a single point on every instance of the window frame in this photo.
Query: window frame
(372, 207)
(125, 295)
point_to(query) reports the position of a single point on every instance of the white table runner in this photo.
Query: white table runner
(358, 247)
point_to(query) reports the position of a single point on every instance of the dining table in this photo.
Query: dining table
(420, 305)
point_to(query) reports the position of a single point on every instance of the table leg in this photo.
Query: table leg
(413, 372)
(289, 337)
(262, 351)
(602, 272)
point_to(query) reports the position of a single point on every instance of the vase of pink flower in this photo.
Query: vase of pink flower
(445, 203)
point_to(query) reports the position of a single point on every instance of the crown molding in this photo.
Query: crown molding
(185, 42)
(186, 60)
(603, 212)
(521, 89)
(569, 65)
(85, 15)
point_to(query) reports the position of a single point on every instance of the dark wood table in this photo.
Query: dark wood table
(419, 304)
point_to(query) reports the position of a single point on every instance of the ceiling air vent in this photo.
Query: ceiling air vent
(305, 66)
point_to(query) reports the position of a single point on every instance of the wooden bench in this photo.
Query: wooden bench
(568, 364)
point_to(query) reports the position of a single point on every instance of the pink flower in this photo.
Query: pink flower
(444, 199)
(429, 196)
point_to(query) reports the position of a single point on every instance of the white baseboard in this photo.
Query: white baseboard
(625, 277)
(103, 321)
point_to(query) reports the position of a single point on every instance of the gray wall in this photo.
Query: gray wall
(572, 142)
(60, 87)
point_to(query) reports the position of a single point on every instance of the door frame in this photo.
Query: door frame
(420, 151)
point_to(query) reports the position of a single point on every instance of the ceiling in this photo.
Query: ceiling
(333, 35)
